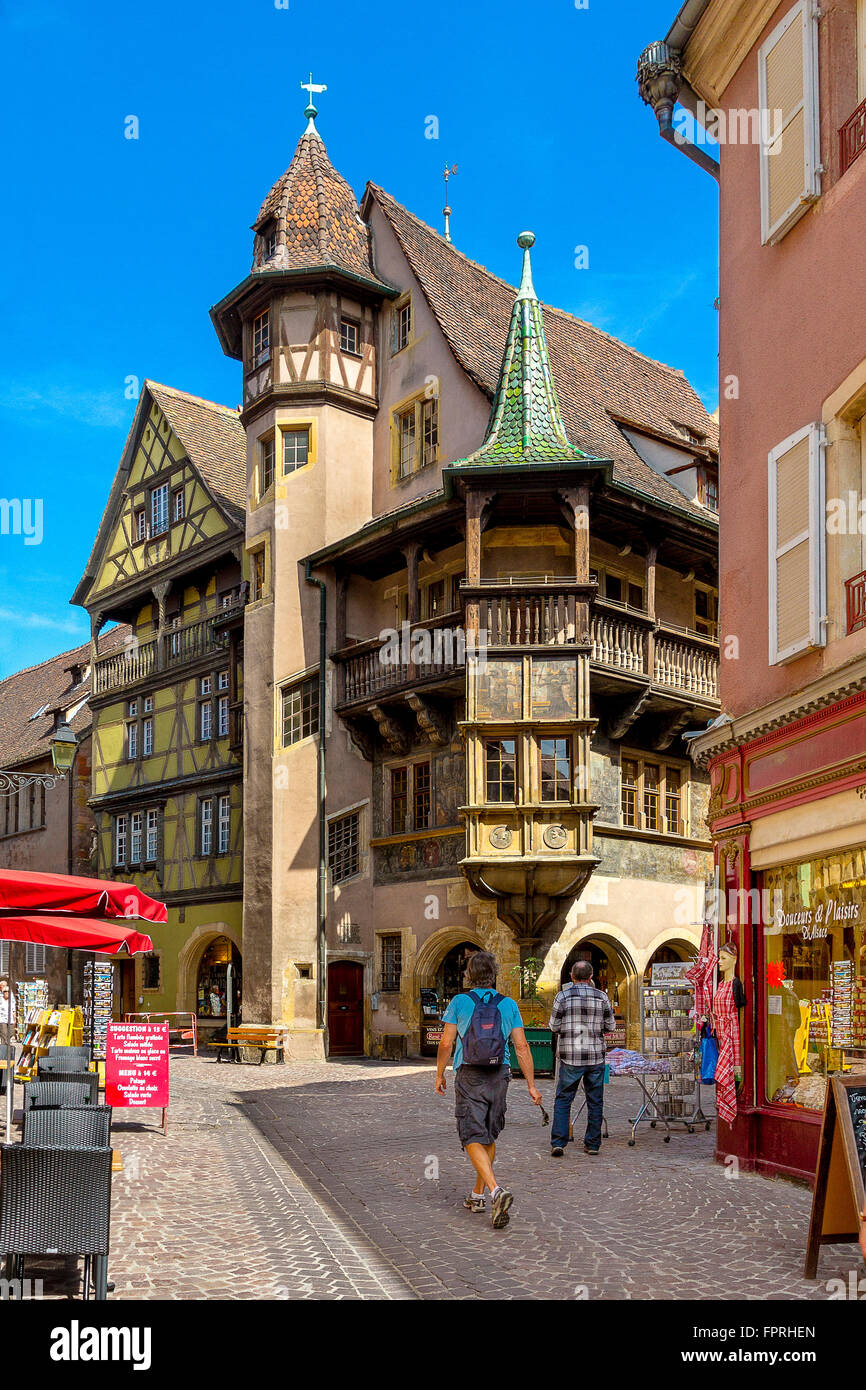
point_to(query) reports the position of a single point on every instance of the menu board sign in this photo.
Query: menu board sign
(840, 1179)
(136, 1064)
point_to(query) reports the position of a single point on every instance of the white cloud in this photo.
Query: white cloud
(101, 409)
(76, 626)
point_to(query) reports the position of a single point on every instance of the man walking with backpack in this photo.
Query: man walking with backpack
(481, 1022)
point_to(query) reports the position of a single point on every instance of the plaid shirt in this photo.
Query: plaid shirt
(581, 1016)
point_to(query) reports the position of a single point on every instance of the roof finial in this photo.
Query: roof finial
(310, 111)
(527, 289)
(446, 174)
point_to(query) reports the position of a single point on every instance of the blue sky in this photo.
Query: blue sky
(113, 250)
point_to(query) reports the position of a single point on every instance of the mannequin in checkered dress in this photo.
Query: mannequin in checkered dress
(726, 1021)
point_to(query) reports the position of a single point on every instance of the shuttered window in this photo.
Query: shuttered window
(796, 536)
(788, 100)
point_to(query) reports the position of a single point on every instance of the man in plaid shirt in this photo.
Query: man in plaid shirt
(581, 1016)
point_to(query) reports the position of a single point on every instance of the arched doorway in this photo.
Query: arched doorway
(211, 991)
(614, 972)
(452, 970)
(345, 1008)
(669, 953)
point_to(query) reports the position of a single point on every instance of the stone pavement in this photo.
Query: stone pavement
(345, 1180)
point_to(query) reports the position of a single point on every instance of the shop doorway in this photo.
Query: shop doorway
(345, 1008)
(125, 1000)
(612, 972)
(451, 972)
(211, 983)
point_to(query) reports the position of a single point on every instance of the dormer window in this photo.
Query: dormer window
(261, 339)
(270, 241)
(709, 488)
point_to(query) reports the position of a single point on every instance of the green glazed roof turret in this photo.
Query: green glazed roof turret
(525, 426)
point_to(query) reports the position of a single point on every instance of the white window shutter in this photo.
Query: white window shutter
(790, 151)
(797, 565)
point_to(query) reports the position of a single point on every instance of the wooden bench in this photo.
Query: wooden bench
(261, 1035)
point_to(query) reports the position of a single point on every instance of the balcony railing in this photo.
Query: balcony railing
(675, 658)
(680, 660)
(178, 646)
(855, 602)
(420, 653)
(852, 137)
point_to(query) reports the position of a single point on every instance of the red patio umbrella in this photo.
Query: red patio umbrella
(111, 936)
(88, 914)
(48, 894)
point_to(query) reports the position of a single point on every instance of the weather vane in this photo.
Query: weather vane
(446, 174)
(311, 87)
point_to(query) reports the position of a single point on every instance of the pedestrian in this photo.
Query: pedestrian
(481, 1021)
(8, 1010)
(581, 1016)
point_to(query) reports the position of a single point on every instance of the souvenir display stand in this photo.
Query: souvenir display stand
(46, 1029)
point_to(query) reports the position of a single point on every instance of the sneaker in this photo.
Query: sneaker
(592, 1152)
(502, 1200)
(474, 1202)
(557, 1152)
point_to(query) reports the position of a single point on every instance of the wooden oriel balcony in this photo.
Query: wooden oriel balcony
(176, 647)
(623, 643)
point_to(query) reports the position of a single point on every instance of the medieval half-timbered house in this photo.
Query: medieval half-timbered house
(481, 542)
(166, 703)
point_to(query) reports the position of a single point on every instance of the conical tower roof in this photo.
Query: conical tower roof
(314, 214)
(525, 426)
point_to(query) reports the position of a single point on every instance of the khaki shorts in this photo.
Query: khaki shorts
(480, 1103)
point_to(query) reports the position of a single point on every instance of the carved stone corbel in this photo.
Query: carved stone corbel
(619, 725)
(361, 738)
(430, 721)
(393, 733)
(671, 729)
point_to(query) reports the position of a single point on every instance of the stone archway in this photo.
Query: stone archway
(668, 947)
(189, 957)
(623, 982)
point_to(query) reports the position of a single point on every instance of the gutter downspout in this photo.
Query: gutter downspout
(322, 877)
(660, 82)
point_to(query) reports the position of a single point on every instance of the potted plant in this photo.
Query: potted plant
(535, 1011)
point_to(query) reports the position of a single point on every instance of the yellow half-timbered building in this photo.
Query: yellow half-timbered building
(167, 704)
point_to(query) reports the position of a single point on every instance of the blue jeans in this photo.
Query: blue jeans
(566, 1090)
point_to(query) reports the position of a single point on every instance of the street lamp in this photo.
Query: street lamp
(63, 745)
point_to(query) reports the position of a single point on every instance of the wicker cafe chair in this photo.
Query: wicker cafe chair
(74, 1127)
(63, 1059)
(56, 1202)
(61, 1091)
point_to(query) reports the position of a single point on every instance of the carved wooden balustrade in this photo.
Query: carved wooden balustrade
(177, 646)
(422, 652)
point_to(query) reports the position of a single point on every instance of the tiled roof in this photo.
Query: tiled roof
(525, 427)
(316, 215)
(48, 686)
(214, 440)
(597, 377)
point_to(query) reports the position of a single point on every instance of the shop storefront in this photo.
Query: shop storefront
(788, 818)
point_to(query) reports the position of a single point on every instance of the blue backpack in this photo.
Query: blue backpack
(484, 1041)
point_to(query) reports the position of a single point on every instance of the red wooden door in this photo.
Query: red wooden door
(345, 1008)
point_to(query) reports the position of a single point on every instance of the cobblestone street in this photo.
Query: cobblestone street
(311, 1181)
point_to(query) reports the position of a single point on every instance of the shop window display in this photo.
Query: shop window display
(211, 988)
(814, 975)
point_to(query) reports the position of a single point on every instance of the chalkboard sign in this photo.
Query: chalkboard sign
(840, 1178)
(857, 1106)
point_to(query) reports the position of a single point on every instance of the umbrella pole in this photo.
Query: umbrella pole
(10, 1086)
